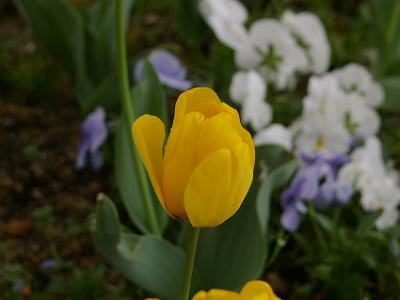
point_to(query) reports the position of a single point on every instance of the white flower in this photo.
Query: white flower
(226, 18)
(273, 51)
(275, 134)
(362, 121)
(323, 134)
(325, 97)
(311, 34)
(377, 183)
(387, 219)
(355, 78)
(248, 89)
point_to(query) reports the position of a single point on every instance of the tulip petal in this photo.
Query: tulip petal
(216, 133)
(257, 289)
(218, 186)
(179, 161)
(242, 174)
(245, 135)
(202, 100)
(148, 133)
(216, 294)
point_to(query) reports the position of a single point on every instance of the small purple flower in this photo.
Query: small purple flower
(93, 134)
(315, 181)
(168, 68)
(48, 264)
(18, 285)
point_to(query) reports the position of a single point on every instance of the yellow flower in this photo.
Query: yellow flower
(208, 160)
(253, 290)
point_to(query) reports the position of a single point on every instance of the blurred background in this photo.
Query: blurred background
(46, 251)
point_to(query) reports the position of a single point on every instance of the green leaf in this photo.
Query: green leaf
(367, 222)
(325, 223)
(189, 22)
(233, 253)
(276, 179)
(100, 35)
(149, 261)
(273, 155)
(391, 86)
(148, 95)
(59, 27)
(128, 184)
(386, 28)
(106, 94)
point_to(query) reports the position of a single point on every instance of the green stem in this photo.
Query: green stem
(316, 227)
(193, 236)
(280, 243)
(129, 114)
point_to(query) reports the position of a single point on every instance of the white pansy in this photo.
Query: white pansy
(355, 78)
(311, 34)
(387, 219)
(325, 97)
(249, 90)
(363, 120)
(226, 18)
(377, 183)
(275, 134)
(273, 51)
(323, 134)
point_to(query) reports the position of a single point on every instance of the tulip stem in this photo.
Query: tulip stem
(193, 236)
(129, 114)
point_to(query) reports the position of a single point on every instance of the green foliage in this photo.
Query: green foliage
(149, 261)
(275, 180)
(80, 37)
(189, 22)
(148, 97)
(391, 86)
(347, 263)
(42, 216)
(386, 29)
(233, 253)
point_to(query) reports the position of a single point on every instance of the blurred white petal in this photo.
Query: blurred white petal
(249, 89)
(309, 28)
(356, 79)
(226, 18)
(275, 134)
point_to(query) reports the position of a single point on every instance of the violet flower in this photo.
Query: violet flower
(316, 181)
(93, 134)
(49, 264)
(168, 68)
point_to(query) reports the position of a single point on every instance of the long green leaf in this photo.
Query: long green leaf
(232, 253)
(276, 179)
(391, 86)
(148, 97)
(149, 261)
(59, 27)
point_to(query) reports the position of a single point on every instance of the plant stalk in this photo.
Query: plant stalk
(129, 114)
(193, 236)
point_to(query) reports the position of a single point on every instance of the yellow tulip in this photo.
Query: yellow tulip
(208, 160)
(253, 290)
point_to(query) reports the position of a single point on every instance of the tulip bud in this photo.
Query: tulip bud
(253, 290)
(207, 166)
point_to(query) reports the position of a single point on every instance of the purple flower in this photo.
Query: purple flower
(168, 68)
(18, 285)
(48, 264)
(93, 134)
(315, 181)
